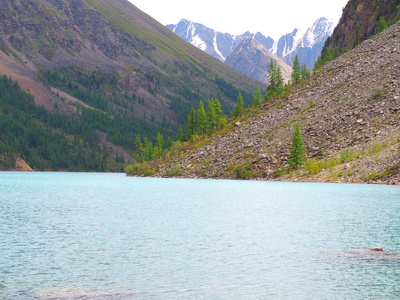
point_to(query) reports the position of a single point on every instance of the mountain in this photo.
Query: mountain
(307, 44)
(252, 59)
(349, 115)
(106, 58)
(364, 14)
(217, 44)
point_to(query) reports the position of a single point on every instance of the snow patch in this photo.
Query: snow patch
(199, 43)
(297, 39)
(216, 48)
(274, 48)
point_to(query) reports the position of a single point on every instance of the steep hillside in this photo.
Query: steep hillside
(109, 59)
(136, 57)
(349, 113)
(359, 21)
(252, 59)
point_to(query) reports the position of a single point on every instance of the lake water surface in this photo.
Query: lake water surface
(107, 236)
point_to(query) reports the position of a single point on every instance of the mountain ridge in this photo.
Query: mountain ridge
(311, 39)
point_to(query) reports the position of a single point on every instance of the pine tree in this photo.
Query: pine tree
(257, 98)
(239, 108)
(296, 73)
(297, 152)
(202, 124)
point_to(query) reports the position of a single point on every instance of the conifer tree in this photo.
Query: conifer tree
(211, 115)
(191, 124)
(139, 149)
(160, 144)
(304, 71)
(257, 98)
(149, 151)
(357, 39)
(180, 135)
(275, 78)
(169, 142)
(381, 26)
(218, 109)
(296, 71)
(239, 108)
(202, 124)
(297, 152)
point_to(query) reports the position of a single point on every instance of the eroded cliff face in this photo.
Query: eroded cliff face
(366, 13)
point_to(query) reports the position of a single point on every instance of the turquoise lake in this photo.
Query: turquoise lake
(108, 236)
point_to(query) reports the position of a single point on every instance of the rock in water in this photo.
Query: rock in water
(377, 249)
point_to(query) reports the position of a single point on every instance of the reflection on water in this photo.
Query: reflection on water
(107, 236)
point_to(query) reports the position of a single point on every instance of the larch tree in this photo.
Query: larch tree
(275, 78)
(139, 155)
(211, 115)
(297, 151)
(239, 108)
(191, 124)
(296, 71)
(381, 26)
(257, 98)
(160, 144)
(202, 123)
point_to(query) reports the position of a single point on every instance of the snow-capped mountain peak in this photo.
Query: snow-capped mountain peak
(319, 31)
(307, 43)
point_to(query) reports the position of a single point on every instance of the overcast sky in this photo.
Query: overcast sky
(270, 17)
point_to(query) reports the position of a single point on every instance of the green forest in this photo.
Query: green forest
(54, 141)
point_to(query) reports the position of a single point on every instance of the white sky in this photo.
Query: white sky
(270, 17)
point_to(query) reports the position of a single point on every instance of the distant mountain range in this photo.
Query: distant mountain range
(307, 44)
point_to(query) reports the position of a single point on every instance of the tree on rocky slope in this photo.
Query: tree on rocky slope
(257, 98)
(275, 79)
(296, 72)
(202, 123)
(239, 108)
(297, 152)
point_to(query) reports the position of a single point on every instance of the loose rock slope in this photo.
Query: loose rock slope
(349, 112)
